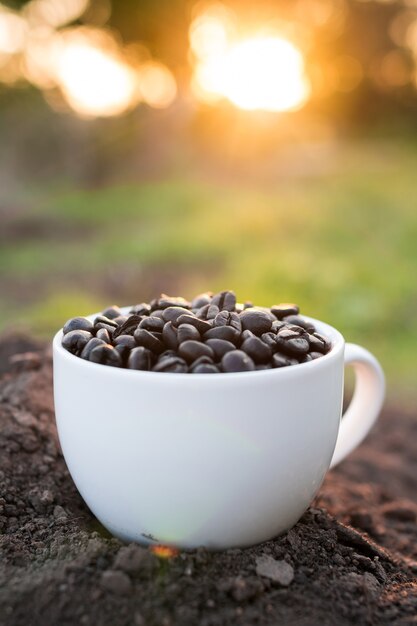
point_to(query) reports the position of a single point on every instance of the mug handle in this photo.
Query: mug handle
(366, 403)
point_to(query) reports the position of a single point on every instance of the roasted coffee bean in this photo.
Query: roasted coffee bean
(292, 345)
(205, 368)
(280, 360)
(105, 321)
(315, 355)
(110, 329)
(246, 335)
(201, 300)
(93, 343)
(78, 323)
(255, 320)
(199, 324)
(257, 350)
(269, 339)
(187, 332)
(318, 343)
(192, 350)
(201, 360)
(148, 340)
(124, 352)
(172, 313)
(104, 335)
(223, 332)
(157, 313)
(112, 312)
(140, 309)
(106, 355)
(125, 340)
(208, 312)
(282, 310)
(237, 361)
(296, 320)
(140, 359)
(129, 326)
(225, 300)
(121, 319)
(171, 364)
(153, 324)
(307, 358)
(170, 335)
(75, 340)
(277, 325)
(248, 305)
(165, 301)
(227, 318)
(220, 347)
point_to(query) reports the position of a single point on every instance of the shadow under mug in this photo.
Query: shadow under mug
(223, 460)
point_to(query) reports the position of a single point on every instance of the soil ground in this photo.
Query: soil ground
(352, 558)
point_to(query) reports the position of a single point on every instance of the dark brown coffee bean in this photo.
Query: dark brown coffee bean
(246, 335)
(201, 300)
(207, 312)
(172, 313)
(171, 364)
(277, 325)
(153, 324)
(164, 301)
(269, 339)
(112, 312)
(157, 313)
(106, 355)
(90, 345)
(205, 368)
(307, 357)
(223, 332)
(148, 340)
(315, 355)
(257, 350)
(125, 340)
(170, 335)
(75, 340)
(220, 347)
(225, 300)
(187, 332)
(293, 346)
(318, 343)
(259, 322)
(296, 320)
(104, 335)
(199, 324)
(78, 323)
(282, 310)
(140, 359)
(248, 305)
(121, 319)
(129, 326)
(140, 309)
(280, 360)
(201, 360)
(228, 318)
(102, 322)
(192, 350)
(237, 361)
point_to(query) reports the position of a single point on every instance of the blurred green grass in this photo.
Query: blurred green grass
(341, 243)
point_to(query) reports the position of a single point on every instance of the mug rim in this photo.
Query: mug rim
(336, 337)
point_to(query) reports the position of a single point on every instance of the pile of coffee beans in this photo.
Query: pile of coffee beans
(211, 334)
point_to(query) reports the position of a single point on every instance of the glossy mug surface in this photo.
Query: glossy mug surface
(218, 460)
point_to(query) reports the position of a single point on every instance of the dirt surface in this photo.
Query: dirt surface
(350, 560)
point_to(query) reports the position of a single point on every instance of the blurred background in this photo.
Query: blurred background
(268, 147)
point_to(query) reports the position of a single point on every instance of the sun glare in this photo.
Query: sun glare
(255, 73)
(93, 82)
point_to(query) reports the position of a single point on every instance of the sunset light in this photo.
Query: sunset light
(260, 72)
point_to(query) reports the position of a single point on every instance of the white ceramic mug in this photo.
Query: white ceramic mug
(220, 460)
